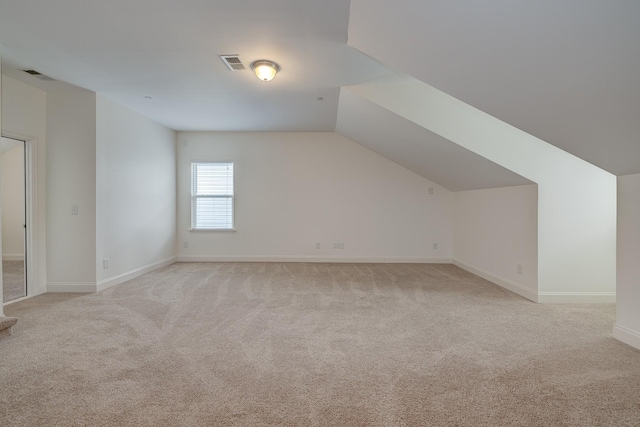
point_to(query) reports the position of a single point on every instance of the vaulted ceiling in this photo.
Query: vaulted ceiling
(565, 72)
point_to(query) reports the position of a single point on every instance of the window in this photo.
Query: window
(212, 196)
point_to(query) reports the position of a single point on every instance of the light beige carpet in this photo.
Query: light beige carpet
(13, 286)
(313, 345)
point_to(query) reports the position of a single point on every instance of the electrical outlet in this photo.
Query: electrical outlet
(185, 245)
(317, 245)
(430, 190)
(339, 245)
(105, 263)
(519, 268)
(435, 246)
(74, 209)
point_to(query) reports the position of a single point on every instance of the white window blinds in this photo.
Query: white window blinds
(212, 196)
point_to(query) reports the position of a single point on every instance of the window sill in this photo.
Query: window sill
(212, 230)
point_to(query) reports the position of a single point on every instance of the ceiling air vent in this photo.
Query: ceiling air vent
(232, 62)
(39, 75)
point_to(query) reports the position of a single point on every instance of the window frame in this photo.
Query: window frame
(195, 197)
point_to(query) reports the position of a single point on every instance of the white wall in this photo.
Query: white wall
(66, 176)
(135, 190)
(13, 198)
(494, 231)
(627, 328)
(1, 289)
(24, 116)
(576, 200)
(296, 189)
(71, 180)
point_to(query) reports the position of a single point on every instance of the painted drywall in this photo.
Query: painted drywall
(24, 116)
(294, 190)
(1, 289)
(71, 181)
(418, 149)
(627, 328)
(13, 197)
(565, 71)
(576, 200)
(135, 191)
(494, 231)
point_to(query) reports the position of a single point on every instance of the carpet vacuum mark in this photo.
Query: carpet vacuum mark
(241, 344)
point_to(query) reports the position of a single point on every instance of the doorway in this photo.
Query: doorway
(13, 192)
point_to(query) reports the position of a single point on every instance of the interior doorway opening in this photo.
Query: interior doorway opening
(13, 193)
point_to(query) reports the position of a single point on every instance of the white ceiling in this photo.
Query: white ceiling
(418, 149)
(567, 72)
(168, 50)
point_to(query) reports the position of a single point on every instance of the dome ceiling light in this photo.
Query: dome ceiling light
(264, 69)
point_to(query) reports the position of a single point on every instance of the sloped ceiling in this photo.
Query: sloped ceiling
(567, 72)
(418, 149)
(520, 62)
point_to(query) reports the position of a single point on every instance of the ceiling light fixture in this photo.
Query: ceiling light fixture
(265, 70)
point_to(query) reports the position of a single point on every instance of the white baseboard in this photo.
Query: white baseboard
(627, 336)
(125, 277)
(71, 287)
(317, 259)
(499, 280)
(14, 301)
(577, 297)
(54, 287)
(13, 257)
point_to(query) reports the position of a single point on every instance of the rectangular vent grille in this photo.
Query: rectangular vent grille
(232, 62)
(39, 75)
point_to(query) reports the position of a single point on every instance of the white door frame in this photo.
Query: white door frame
(31, 208)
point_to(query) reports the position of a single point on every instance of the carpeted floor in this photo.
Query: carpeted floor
(313, 345)
(12, 280)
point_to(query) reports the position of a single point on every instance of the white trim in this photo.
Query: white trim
(13, 257)
(232, 196)
(15, 300)
(121, 278)
(577, 297)
(61, 287)
(269, 258)
(33, 232)
(499, 280)
(212, 230)
(107, 283)
(627, 336)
